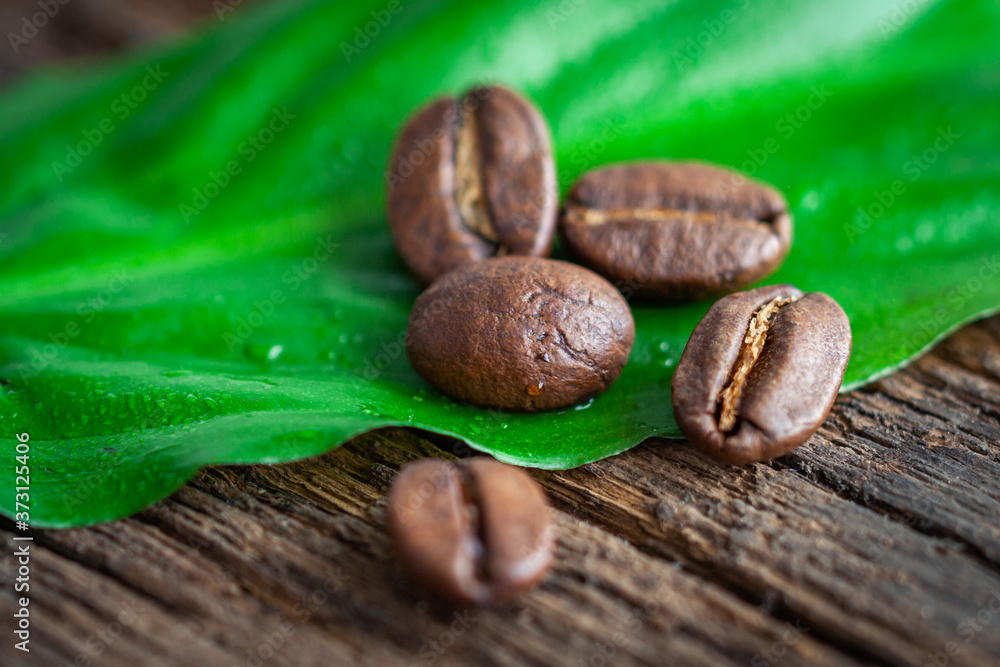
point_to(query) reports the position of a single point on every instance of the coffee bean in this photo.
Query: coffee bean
(473, 532)
(676, 231)
(471, 179)
(760, 373)
(520, 333)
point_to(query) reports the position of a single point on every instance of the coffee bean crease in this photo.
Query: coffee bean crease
(595, 217)
(753, 345)
(472, 532)
(760, 373)
(469, 179)
(469, 195)
(674, 231)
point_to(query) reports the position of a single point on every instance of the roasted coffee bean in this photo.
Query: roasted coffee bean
(472, 179)
(760, 373)
(676, 231)
(520, 333)
(473, 532)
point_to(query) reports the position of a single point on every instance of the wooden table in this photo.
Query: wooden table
(878, 542)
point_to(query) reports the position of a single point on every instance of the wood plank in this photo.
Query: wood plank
(86, 29)
(243, 550)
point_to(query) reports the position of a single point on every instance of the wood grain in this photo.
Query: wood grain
(878, 542)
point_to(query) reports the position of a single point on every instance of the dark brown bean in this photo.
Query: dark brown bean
(520, 333)
(676, 231)
(760, 373)
(471, 179)
(473, 532)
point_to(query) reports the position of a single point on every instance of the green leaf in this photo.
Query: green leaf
(196, 267)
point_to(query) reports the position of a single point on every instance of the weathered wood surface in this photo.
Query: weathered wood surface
(878, 542)
(79, 29)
